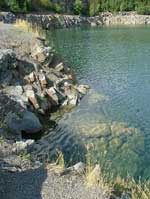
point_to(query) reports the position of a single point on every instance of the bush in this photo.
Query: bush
(94, 7)
(78, 7)
(46, 4)
(57, 8)
(143, 10)
(14, 6)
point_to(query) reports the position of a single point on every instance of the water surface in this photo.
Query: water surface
(113, 120)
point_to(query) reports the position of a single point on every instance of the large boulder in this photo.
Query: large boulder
(26, 122)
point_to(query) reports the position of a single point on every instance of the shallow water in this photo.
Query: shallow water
(113, 120)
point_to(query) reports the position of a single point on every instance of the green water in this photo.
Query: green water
(113, 120)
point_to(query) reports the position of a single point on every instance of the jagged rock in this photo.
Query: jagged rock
(32, 98)
(71, 94)
(31, 77)
(43, 55)
(60, 67)
(51, 92)
(83, 89)
(42, 80)
(16, 93)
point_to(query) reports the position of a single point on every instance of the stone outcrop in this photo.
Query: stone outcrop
(124, 18)
(49, 21)
(33, 83)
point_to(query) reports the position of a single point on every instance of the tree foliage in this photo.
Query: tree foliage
(78, 7)
(91, 7)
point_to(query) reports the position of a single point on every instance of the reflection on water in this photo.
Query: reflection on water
(113, 120)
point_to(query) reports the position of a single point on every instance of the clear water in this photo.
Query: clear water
(112, 123)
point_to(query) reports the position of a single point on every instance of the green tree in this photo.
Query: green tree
(78, 7)
(13, 5)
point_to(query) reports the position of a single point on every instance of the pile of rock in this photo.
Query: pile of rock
(34, 86)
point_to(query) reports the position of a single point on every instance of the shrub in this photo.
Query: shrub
(57, 8)
(46, 4)
(94, 7)
(78, 7)
(14, 6)
(143, 10)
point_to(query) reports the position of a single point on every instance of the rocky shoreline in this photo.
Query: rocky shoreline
(34, 82)
(50, 21)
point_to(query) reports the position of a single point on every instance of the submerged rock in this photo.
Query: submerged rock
(121, 146)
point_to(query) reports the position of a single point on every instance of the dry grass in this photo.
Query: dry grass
(94, 177)
(114, 187)
(59, 165)
(28, 27)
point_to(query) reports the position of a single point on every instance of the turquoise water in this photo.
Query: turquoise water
(113, 120)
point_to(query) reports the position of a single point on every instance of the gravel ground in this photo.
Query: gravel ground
(44, 184)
